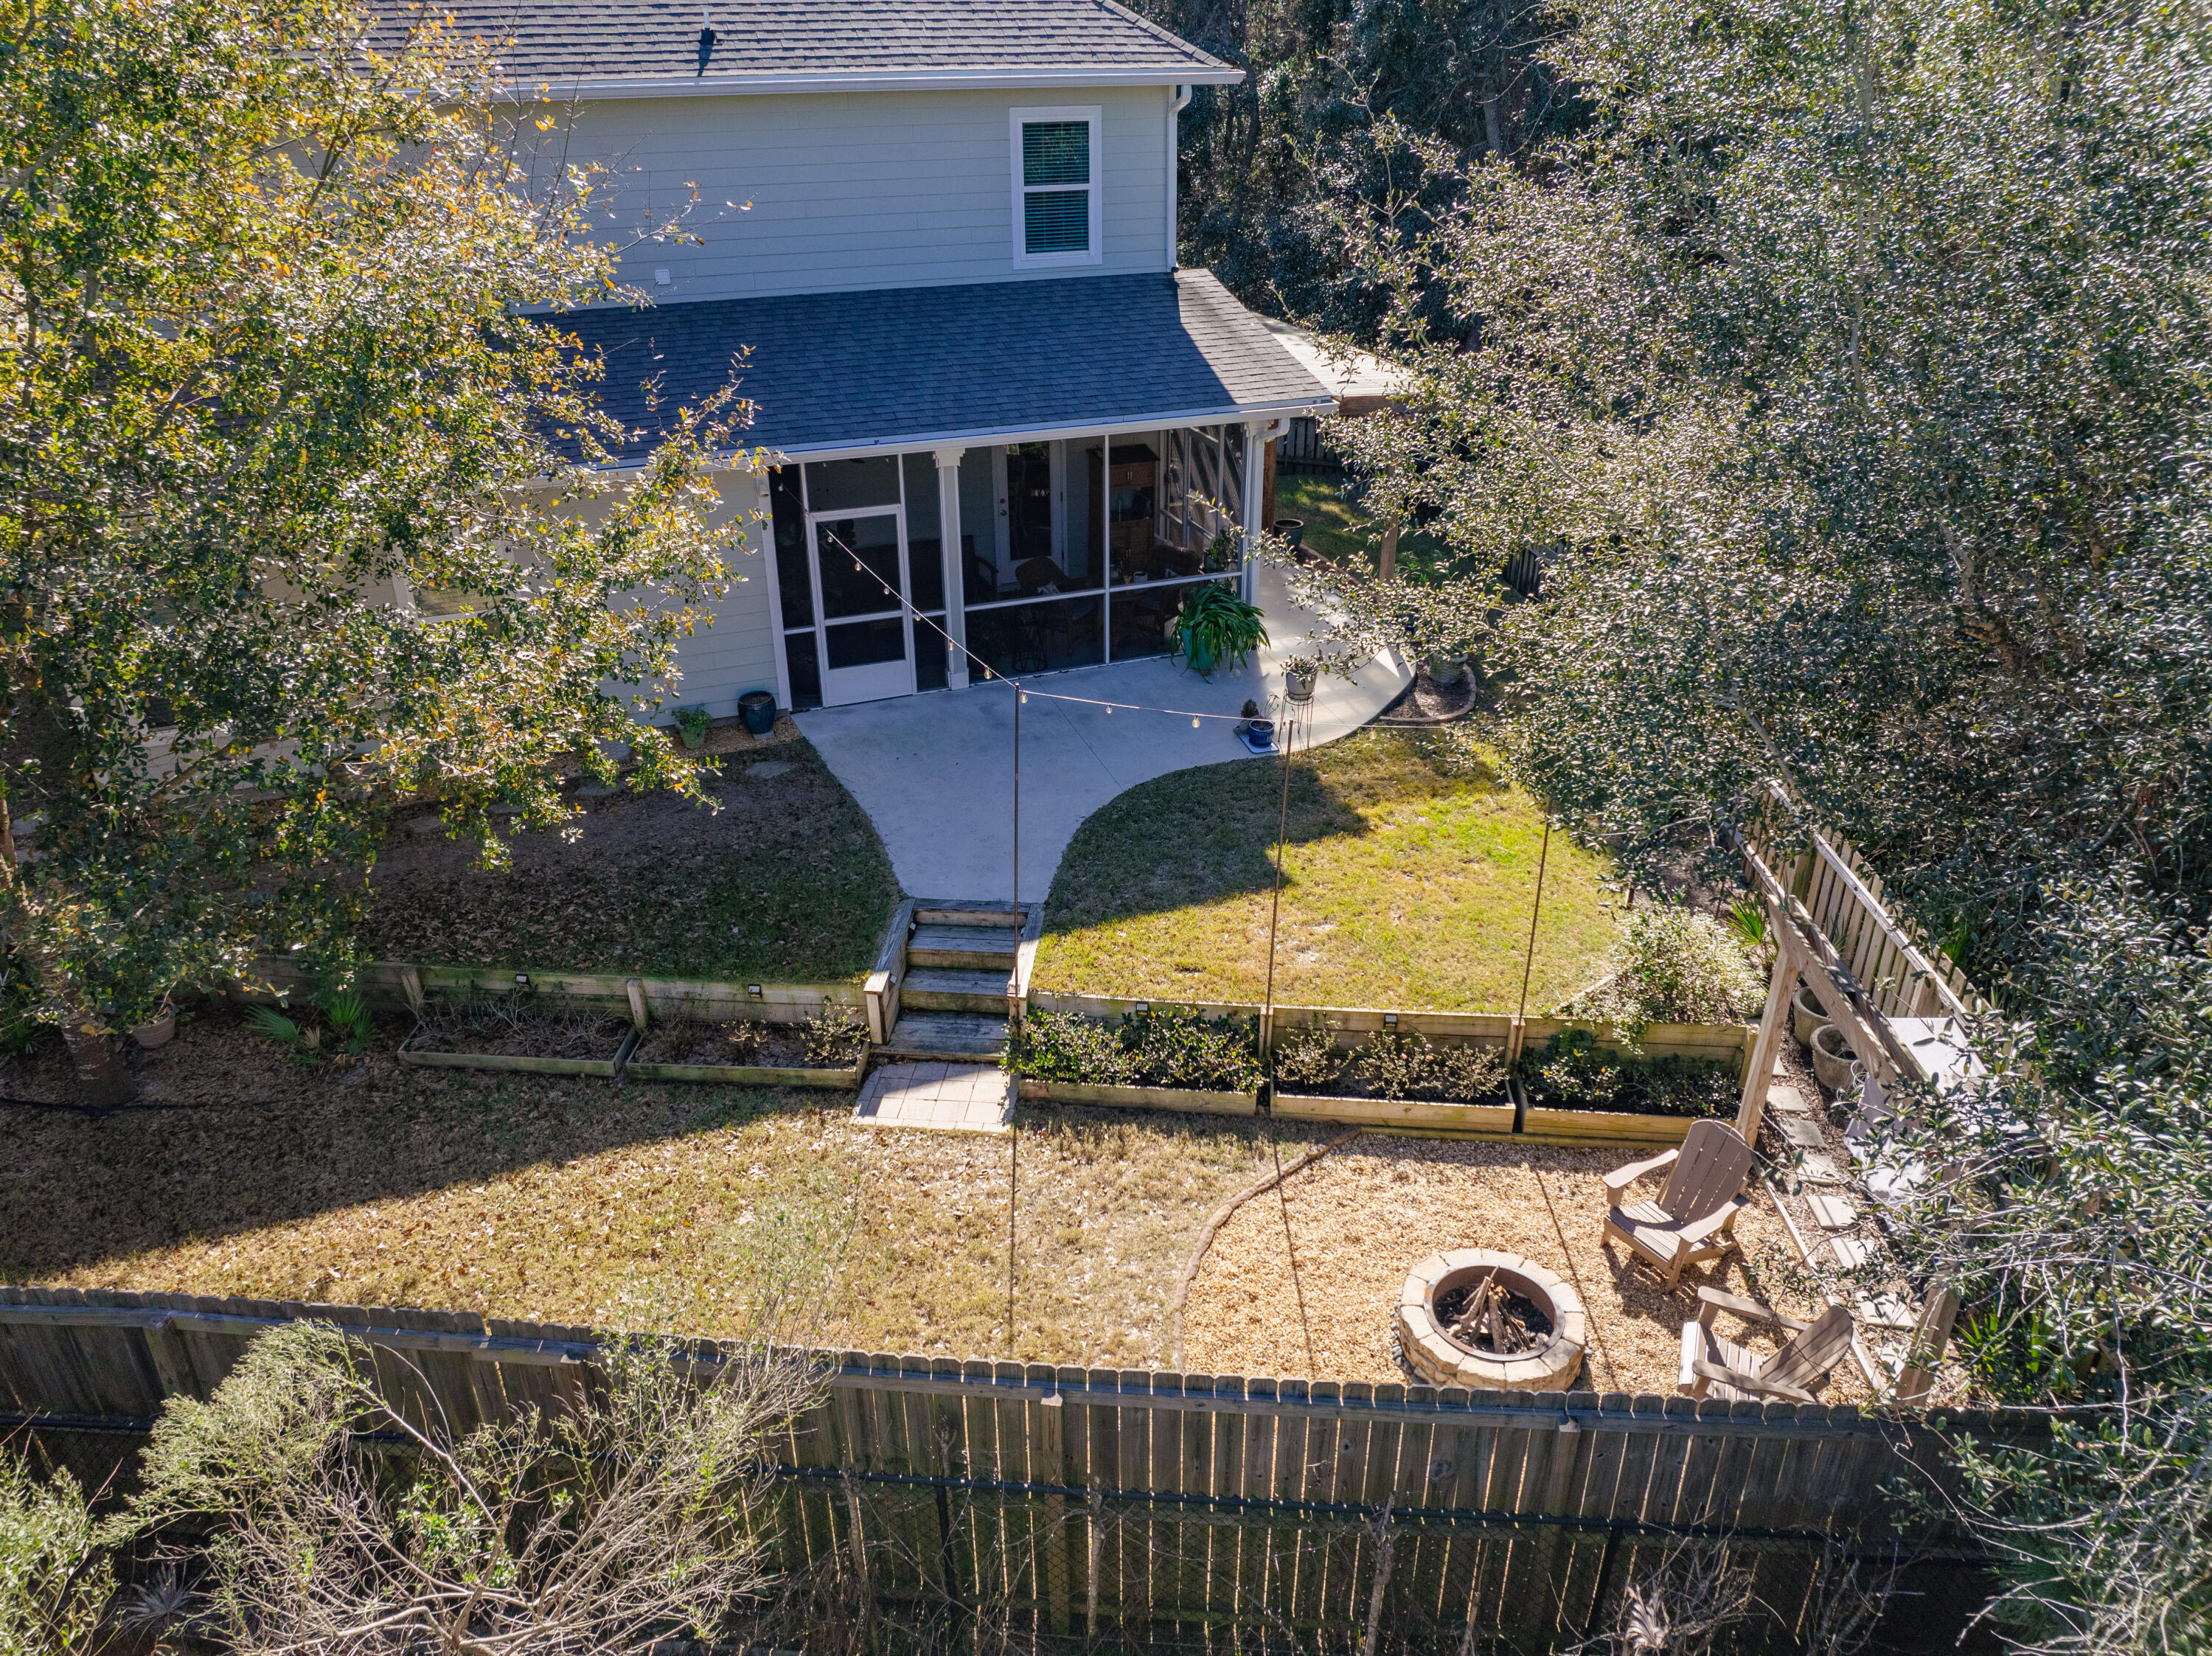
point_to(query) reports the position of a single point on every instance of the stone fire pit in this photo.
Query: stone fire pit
(1443, 1361)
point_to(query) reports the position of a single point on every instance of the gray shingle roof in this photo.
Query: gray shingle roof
(915, 365)
(777, 43)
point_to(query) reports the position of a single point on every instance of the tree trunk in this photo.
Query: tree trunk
(101, 1076)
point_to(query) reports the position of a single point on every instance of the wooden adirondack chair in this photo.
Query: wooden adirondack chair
(1694, 1218)
(1715, 1367)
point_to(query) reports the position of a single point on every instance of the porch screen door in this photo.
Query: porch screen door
(867, 639)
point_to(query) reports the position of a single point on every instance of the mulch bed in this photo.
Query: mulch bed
(1365, 1214)
(1424, 701)
(758, 1045)
(584, 1036)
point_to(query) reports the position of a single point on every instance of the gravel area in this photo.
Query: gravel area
(1363, 1216)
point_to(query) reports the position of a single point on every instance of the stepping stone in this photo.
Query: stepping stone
(1850, 1252)
(1832, 1212)
(938, 1097)
(768, 768)
(1803, 1133)
(1819, 1168)
(1786, 1100)
(1884, 1310)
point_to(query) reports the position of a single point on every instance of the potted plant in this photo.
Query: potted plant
(1215, 627)
(1298, 676)
(692, 725)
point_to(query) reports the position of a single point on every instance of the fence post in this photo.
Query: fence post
(1382, 1551)
(1758, 1074)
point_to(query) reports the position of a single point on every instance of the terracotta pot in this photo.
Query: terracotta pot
(1805, 1015)
(1831, 1058)
(159, 1033)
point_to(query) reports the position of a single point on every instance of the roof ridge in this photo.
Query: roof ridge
(1169, 35)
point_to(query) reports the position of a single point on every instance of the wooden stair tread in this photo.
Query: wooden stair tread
(944, 1034)
(991, 939)
(955, 980)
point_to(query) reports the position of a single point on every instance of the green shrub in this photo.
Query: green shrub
(1202, 1054)
(1395, 1065)
(1307, 1057)
(1568, 1072)
(1151, 1049)
(1067, 1047)
(1676, 966)
(1465, 1074)
(832, 1039)
(1391, 1064)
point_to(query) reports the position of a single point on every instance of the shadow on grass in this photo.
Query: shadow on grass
(246, 1137)
(1194, 836)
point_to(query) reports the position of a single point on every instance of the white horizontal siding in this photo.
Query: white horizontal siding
(837, 192)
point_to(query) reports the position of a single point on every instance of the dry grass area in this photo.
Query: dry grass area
(1411, 874)
(641, 1206)
(1363, 1216)
(785, 879)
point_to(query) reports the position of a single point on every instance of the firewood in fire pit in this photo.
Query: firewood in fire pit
(1489, 1317)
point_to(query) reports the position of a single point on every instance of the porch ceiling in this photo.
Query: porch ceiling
(916, 365)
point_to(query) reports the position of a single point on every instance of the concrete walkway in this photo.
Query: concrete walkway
(935, 772)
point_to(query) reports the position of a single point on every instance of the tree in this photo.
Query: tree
(1848, 373)
(280, 355)
(1259, 161)
(340, 1524)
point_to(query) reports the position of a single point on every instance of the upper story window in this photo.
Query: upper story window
(1055, 165)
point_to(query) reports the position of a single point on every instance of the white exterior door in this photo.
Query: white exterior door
(864, 632)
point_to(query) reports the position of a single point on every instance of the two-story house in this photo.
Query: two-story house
(942, 233)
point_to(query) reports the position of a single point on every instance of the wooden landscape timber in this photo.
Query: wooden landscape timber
(1180, 1099)
(604, 1069)
(1144, 1504)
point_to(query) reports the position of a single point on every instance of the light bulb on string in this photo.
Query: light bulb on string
(1193, 721)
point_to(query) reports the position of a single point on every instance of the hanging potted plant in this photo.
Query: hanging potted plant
(1215, 627)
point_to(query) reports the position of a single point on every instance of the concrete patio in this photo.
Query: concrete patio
(935, 772)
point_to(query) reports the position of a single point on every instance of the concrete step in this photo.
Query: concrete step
(951, 1036)
(981, 947)
(953, 989)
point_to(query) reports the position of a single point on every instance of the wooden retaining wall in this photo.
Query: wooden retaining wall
(1148, 1506)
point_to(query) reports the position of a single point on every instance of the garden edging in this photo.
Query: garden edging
(1142, 1098)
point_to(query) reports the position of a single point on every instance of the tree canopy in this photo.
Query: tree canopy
(279, 357)
(1849, 371)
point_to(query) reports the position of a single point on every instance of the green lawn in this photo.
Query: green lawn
(785, 881)
(1340, 531)
(1409, 883)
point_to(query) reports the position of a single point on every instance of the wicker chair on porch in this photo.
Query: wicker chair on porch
(1694, 1218)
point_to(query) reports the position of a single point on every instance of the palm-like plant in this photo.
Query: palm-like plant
(1215, 627)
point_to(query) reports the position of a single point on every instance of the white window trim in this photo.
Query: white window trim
(1095, 254)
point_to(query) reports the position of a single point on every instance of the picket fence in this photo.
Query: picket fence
(1151, 1508)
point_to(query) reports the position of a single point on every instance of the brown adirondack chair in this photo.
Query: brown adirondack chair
(1715, 1367)
(1694, 1218)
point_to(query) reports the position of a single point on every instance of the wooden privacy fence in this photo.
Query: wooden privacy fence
(1842, 896)
(1150, 1506)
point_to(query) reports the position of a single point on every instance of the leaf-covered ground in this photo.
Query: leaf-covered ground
(785, 881)
(642, 1205)
(1411, 874)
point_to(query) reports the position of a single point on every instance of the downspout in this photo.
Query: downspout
(1176, 104)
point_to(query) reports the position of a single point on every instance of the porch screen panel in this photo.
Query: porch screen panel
(925, 552)
(788, 512)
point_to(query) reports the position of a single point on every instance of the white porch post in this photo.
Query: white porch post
(956, 573)
(1248, 507)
